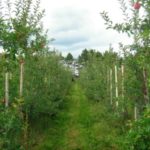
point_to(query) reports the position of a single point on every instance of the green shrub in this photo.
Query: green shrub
(11, 126)
(46, 84)
(138, 137)
(93, 81)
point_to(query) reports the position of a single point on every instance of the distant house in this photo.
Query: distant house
(73, 66)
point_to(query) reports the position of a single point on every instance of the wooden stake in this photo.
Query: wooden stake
(6, 89)
(108, 80)
(111, 101)
(21, 79)
(116, 82)
(122, 74)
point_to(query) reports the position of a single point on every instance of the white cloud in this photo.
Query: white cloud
(77, 24)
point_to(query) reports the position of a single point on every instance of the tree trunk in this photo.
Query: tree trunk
(6, 89)
(116, 83)
(24, 114)
(21, 79)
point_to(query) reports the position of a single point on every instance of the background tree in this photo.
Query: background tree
(69, 57)
(84, 56)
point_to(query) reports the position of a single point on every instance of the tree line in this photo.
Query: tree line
(121, 82)
(33, 82)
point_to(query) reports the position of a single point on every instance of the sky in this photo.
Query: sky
(77, 24)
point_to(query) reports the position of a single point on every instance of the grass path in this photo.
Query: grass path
(80, 125)
(68, 131)
(78, 114)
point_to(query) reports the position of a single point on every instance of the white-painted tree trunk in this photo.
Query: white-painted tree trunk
(6, 89)
(116, 83)
(21, 79)
(111, 88)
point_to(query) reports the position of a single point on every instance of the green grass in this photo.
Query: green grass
(80, 125)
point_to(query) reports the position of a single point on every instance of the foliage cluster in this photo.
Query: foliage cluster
(46, 84)
(11, 127)
(139, 135)
(92, 77)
